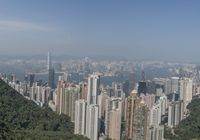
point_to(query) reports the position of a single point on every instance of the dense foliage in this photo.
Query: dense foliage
(23, 119)
(189, 128)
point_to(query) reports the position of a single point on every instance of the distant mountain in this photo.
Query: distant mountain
(189, 128)
(21, 119)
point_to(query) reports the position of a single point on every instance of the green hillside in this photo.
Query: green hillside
(23, 119)
(189, 128)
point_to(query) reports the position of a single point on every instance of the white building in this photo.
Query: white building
(80, 117)
(92, 122)
(175, 113)
(93, 89)
(155, 115)
(156, 132)
(186, 89)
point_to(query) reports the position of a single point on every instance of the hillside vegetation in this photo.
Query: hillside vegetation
(23, 119)
(189, 128)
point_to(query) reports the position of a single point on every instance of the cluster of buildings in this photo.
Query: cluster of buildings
(141, 115)
(129, 110)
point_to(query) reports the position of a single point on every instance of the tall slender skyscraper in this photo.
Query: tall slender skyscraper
(50, 70)
(49, 65)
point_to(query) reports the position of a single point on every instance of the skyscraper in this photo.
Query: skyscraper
(113, 118)
(137, 118)
(93, 89)
(80, 117)
(186, 89)
(142, 88)
(156, 132)
(175, 113)
(92, 122)
(51, 78)
(49, 65)
(51, 71)
(68, 94)
(31, 79)
(174, 84)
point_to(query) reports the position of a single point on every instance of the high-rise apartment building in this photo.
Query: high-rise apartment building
(136, 118)
(174, 84)
(114, 131)
(113, 118)
(186, 89)
(67, 94)
(156, 132)
(80, 117)
(83, 90)
(175, 113)
(155, 115)
(93, 89)
(92, 121)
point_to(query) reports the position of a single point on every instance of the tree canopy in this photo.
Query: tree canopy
(188, 128)
(23, 119)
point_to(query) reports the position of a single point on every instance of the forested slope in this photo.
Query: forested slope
(23, 119)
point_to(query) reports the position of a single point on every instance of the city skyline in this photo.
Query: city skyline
(166, 30)
(99, 70)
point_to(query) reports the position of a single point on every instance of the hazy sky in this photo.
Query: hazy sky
(138, 29)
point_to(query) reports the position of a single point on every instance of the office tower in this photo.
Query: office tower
(145, 87)
(49, 64)
(93, 88)
(26, 78)
(142, 88)
(92, 122)
(86, 66)
(80, 117)
(113, 118)
(126, 88)
(31, 79)
(51, 72)
(136, 118)
(175, 113)
(51, 77)
(174, 84)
